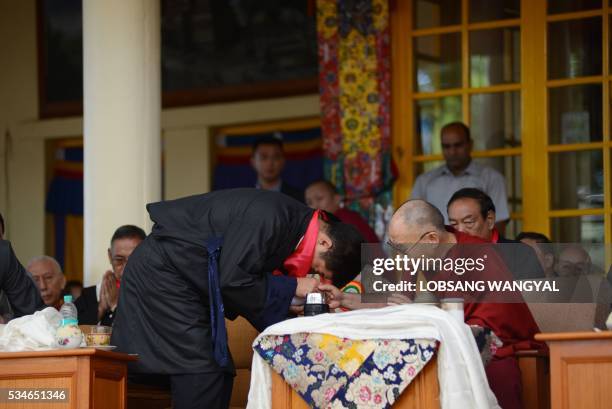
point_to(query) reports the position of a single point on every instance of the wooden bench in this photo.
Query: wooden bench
(535, 378)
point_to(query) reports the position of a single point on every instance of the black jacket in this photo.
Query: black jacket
(293, 192)
(163, 312)
(87, 308)
(22, 293)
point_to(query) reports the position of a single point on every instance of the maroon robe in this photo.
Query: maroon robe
(511, 322)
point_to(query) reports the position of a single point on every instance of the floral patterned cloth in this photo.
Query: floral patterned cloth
(332, 372)
(355, 95)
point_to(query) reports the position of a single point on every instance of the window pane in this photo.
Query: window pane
(438, 62)
(566, 6)
(436, 13)
(495, 120)
(487, 10)
(574, 48)
(575, 114)
(495, 56)
(513, 228)
(209, 44)
(576, 180)
(510, 167)
(582, 229)
(431, 116)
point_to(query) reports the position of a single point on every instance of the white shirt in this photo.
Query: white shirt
(437, 187)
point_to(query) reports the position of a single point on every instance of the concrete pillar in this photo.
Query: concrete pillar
(122, 82)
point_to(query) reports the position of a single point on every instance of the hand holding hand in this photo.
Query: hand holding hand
(305, 285)
(333, 295)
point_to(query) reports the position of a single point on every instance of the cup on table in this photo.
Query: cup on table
(97, 335)
(454, 306)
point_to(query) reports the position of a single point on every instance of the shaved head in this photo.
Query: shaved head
(420, 215)
(417, 221)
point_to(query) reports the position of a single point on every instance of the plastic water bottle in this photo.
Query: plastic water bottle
(69, 312)
(69, 335)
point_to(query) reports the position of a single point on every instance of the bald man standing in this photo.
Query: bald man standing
(418, 222)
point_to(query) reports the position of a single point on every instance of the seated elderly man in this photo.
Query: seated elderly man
(573, 261)
(417, 229)
(472, 211)
(97, 304)
(543, 248)
(49, 279)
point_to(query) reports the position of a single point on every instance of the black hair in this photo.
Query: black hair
(464, 128)
(267, 140)
(484, 200)
(328, 185)
(542, 241)
(537, 237)
(344, 256)
(128, 231)
(1, 225)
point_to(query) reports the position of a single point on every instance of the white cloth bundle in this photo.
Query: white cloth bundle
(31, 332)
(463, 382)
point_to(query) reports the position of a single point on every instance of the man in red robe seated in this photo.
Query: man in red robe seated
(417, 229)
(322, 195)
(417, 221)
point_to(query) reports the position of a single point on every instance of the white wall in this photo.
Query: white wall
(185, 131)
(22, 207)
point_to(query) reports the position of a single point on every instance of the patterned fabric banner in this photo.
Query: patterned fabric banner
(354, 78)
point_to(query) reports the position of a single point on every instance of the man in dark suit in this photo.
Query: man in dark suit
(97, 303)
(5, 308)
(268, 160)
(226, 253)
(21, 292)
(472, 211)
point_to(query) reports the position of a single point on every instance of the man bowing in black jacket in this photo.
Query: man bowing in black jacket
(222, 254)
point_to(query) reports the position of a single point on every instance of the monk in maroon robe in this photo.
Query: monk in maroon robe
(417, 229)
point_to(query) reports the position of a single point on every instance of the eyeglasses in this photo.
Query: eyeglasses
(119, 261)
(401, 248)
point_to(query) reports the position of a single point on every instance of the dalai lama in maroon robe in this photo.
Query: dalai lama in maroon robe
(417, 229)
(213, 256)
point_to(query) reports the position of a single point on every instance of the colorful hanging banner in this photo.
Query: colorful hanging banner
(354, 78)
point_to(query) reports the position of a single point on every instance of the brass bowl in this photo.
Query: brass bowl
(97, 335)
